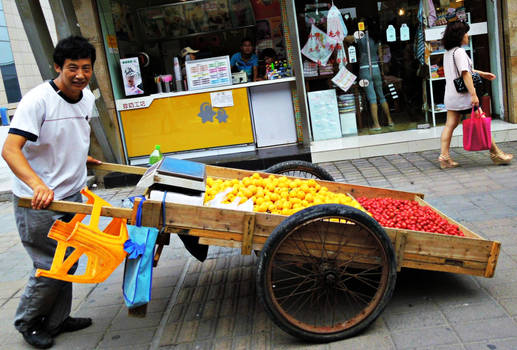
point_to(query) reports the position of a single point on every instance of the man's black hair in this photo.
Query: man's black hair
(73, 48)
(247, 39)
(454, 33)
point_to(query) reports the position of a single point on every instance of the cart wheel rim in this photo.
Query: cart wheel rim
(334, 290)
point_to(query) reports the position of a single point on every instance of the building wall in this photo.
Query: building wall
(25, 62)
(510, 29)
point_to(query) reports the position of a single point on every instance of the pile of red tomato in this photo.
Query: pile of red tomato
(408, 215)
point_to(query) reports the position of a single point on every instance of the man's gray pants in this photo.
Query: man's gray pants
(46, 302)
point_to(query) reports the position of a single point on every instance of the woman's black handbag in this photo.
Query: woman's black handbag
(459, 84)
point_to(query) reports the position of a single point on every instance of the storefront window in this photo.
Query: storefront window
(158, 32)
(383, 73)
(7, 67)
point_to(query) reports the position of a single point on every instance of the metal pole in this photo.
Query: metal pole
(298, 71)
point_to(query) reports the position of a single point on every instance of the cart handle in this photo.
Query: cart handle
(80, 208)
(128, 169)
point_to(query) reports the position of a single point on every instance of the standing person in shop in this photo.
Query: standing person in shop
(374, 94)
(457, 63)
(47, 150)
(246, 60)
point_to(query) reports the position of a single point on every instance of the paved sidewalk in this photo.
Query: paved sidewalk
(212, 305)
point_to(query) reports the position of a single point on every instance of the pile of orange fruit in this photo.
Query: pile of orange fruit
(277, 194)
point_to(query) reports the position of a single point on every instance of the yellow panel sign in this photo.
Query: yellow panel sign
(185, 123)
(360, 25)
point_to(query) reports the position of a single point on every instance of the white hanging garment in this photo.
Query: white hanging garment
(319, 46)
(336, 28)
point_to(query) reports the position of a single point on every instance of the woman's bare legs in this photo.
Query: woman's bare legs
(453, 119)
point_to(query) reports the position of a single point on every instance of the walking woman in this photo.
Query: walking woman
(455, 62)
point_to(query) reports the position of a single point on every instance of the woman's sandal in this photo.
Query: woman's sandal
(447, 162)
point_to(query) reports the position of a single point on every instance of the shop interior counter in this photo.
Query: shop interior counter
(193, 120)
(145, 101)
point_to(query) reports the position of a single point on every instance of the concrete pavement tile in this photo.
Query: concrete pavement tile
(503, 290)
(458, 346)
(132, 338)
(473, 312)
(224, 327)
(243, 324)
(185, 295)
(222, 344)
(105, 300)
(364, 342)
(17, 344)
(397, 322)
(410, 302)
(202, 345)
(206, 329)
(170, 333)
(241, 343)
(510, 305)
(161, 293)
(77, 341)
(503, 327)
(125, 322)
(422, 337)
(200, 294)
(177, 313)
(136, 347)
(499, 344)
(262, 341)
(98, 312)
(9, 289)
(188, 332)
(261, 322)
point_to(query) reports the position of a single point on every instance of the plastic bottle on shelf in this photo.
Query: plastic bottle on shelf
(156, 155)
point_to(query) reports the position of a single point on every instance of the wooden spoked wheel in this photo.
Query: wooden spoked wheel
(326, 272)
(300, 168)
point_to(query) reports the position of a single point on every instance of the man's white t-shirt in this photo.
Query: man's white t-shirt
(455, 101)
(57, 130)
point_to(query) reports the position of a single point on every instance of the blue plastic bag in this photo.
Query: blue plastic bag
(138, 271)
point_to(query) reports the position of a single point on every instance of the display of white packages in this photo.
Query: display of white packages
(324, 114)
(344, 79)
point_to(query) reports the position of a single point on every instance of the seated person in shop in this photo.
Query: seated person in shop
(187, 54)
(374, 76)
(246, 60)
(268, 57)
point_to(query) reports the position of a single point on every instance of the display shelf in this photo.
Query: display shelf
(319, 77)
(436, 79)
(441, 52)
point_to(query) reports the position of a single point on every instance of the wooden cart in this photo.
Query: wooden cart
(326, 272)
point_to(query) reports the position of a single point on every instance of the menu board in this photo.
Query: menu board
(208, 73)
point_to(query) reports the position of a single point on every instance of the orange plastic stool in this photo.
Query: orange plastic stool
(105, 250)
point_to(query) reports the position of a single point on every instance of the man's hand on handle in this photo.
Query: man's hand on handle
(42, 197)
(91, 160)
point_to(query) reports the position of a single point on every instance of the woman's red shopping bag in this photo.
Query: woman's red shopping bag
(476, 132)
